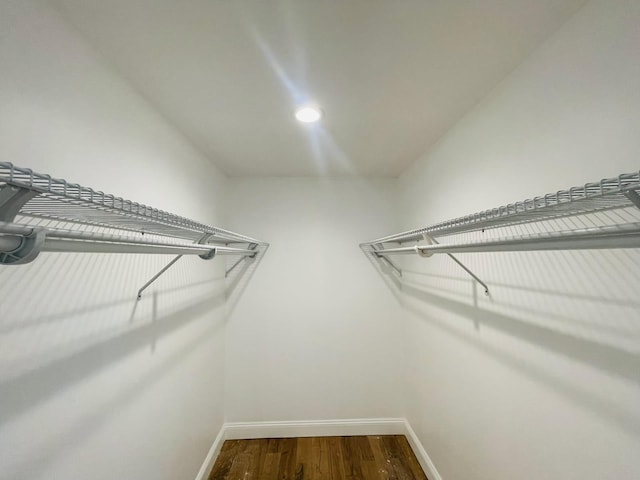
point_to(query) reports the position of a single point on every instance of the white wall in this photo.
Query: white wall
(93, 385)
(542, 380)
(316, 335)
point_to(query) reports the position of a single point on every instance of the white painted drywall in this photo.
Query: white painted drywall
(93, 385)
(542, 380)
(316, 335)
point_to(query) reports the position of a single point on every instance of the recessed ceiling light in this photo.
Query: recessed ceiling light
(308, 114)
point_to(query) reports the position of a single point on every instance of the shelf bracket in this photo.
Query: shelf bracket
(462, 265)
(206, 256)
(17, 249)
(12, 199)
(252, 246)
(385, 260)
(157, 275)
(633, 196)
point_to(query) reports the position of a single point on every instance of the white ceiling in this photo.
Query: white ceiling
(391, 75)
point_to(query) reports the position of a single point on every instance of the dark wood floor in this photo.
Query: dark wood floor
(314, 458)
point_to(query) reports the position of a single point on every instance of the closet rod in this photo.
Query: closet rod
(13, 235)
(626, 236)
(62, 245)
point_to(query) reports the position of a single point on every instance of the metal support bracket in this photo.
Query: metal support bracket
(432, 240)
(252, 246)
(17, 248)
(21, 249)
(205, 256)
(12, 199)
(385, 260)
(157, 275)
(633, 196)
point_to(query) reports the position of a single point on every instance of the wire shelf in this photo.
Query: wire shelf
(40, 213)
(610, 193)
(64, 201)
(556, 211)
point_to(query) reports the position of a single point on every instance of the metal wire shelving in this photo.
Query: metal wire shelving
(39, 213)
(621, 192)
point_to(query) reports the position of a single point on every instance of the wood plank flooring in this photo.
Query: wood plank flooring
(383, 457)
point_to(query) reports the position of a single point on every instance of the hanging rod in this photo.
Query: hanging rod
(608, 194)
(70, 241)
(627, 236)
(61, 245)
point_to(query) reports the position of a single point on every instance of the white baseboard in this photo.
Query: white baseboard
(315, 428)
(214, 451)
(319, 428)
(421, 454)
